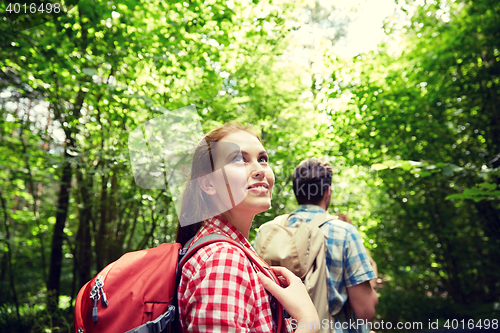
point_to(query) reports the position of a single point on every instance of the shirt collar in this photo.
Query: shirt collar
(310, 209)
(219, 225)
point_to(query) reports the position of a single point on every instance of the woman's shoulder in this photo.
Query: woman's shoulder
(221, 273)
(218, 254)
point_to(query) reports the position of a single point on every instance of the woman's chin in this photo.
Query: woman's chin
(256, 206)
(263, 206)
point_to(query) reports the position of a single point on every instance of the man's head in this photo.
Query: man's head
(312, 179)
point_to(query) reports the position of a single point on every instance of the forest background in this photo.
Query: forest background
(412, 130)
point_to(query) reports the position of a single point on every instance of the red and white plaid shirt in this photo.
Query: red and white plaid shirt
(219, 290)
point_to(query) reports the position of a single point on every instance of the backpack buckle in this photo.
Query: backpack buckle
(160, 324)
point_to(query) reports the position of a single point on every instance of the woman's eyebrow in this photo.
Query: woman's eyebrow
(260, 153)
(233, 153)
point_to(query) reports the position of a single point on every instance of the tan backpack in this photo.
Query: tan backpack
(302, 250)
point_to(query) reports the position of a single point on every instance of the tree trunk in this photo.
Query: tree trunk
(53, 284)
(9, 255)
(101, 233)
(83, 246)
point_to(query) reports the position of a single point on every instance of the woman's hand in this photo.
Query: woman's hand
(294, 298)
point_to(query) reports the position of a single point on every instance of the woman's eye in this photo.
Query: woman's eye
(263, 159)
(237, 158)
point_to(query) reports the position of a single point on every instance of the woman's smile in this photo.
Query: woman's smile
(260, 187)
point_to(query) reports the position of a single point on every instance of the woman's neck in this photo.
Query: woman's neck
(241, 220)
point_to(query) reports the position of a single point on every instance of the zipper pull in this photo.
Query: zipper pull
(94, 295)
(99, 283)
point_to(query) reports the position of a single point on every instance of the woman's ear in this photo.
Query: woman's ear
(206, 185)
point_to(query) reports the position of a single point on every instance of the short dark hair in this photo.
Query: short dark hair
(311, 178)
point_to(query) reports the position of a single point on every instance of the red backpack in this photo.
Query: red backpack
(137, 293)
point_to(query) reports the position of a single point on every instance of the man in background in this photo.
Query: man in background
(348, 265)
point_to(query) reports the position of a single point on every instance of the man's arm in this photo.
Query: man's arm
(363, 300)
(373, 282)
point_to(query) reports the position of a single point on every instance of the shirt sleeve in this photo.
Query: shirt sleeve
(357, 263)
(222, 293)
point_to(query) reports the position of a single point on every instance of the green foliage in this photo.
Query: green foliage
(73, 89)
(412, 134)
(481, 191)
(36, 319)
(477, 193)
(425, 119)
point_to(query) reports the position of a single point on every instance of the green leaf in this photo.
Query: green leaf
(455, 196)
(89, 71)
(488, 186)
(447, 171)
(379, 166)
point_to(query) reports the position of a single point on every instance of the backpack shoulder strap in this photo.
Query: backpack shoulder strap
(213, 238)
(282, 220)
(190, 249)
(321, 219)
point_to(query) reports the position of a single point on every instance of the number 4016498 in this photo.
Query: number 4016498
(33, 8)
(471, 323)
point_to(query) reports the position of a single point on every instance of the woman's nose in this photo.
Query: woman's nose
(257, 170)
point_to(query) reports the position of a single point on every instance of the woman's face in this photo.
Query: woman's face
(242, 179)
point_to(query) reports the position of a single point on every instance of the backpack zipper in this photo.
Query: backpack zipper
(99, 283)
(96, 293)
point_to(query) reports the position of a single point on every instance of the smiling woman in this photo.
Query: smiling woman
(201, 200)
(220, 290)
(245, 178)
